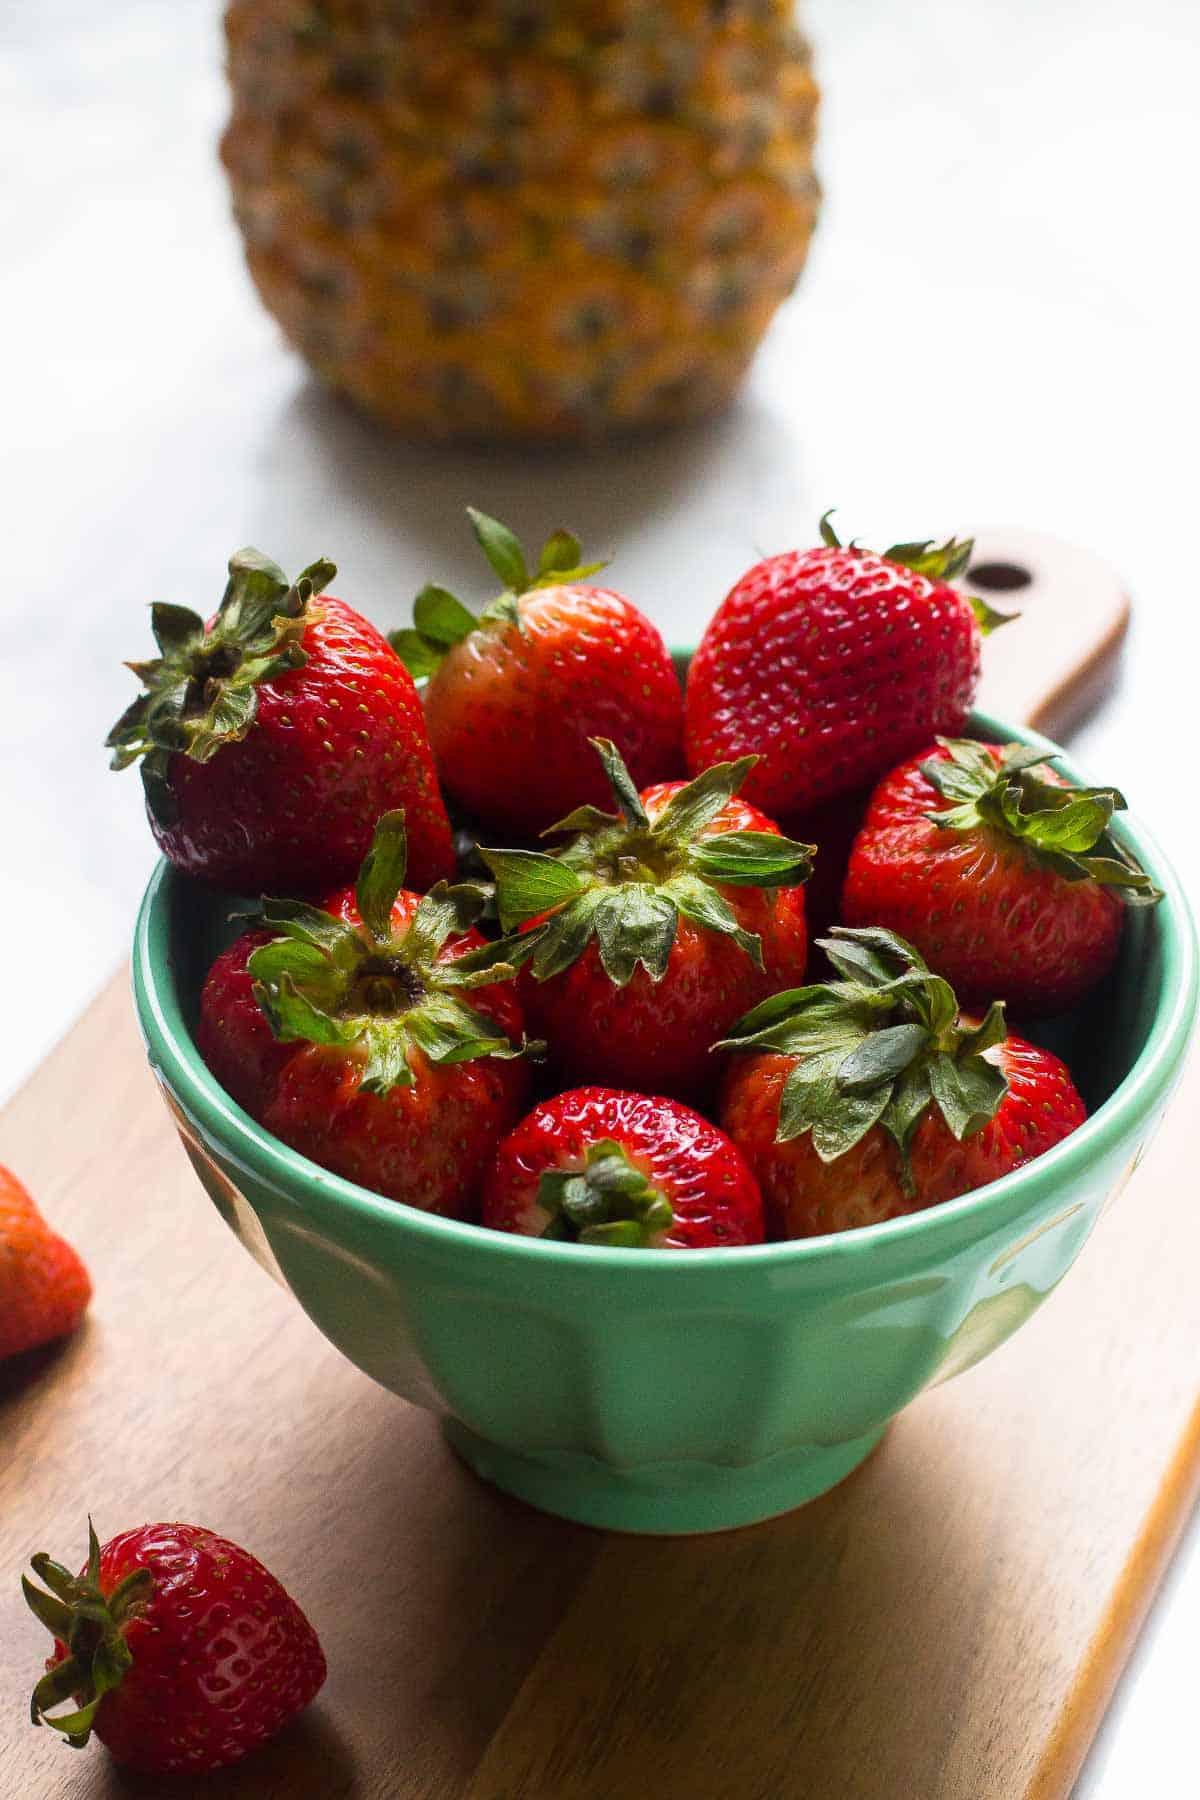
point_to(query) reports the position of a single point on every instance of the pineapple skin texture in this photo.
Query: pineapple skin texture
(523, 219)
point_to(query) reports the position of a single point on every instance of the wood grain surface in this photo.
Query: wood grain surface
(947, 1625)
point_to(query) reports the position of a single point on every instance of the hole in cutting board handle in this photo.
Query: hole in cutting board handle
(999, 577)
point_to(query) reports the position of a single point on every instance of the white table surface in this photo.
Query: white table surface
(999, 322)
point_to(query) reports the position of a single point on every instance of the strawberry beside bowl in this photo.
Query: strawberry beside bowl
(674, 1393)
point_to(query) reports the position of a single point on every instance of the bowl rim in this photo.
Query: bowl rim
(1000, 1204)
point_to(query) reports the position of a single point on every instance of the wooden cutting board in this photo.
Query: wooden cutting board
(947, 1625)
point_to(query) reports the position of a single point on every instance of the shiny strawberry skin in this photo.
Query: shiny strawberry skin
(805, 1197)
(831, 665)
(655, 1036)
(426, 1145)
(291, 808)
(510, 711)
(44, 1287)
(981, 908)
(223, 1657)
(713, 1195)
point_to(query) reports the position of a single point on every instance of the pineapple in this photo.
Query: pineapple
(522, 218)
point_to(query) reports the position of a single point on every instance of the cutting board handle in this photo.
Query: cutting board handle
(1049, 667)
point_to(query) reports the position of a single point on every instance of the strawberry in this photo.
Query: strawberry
(181, 1652)
(597, 1166)
(832, 664)
(44, 1288)
(643, 939)
(377, 1068)
(866, 1098)
(1005, 876)
(514, 695)
(272, 738)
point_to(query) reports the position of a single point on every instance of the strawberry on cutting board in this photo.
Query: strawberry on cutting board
(646, 935)
(514, 695)
(44, 1287)
(271, 739)
(832, 664)
(597, 1166)
(1004, 875)
(865, 1098)
(177, 1648)
(359, 1035)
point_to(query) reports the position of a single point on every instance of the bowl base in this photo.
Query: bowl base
(665, 1499)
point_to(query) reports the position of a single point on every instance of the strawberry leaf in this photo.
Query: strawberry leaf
(445, 909)
(440, 621)
(881, 1056)
(440, 618)
(879, 1047)
(698, 804)
(608, 1201)
(634, 924)
(54, 1614)
(624, 879)
(309, 925)
(294, 1017)
(449, 1032)
(386, 1043)
(751, 859)
(1062, 825)
(79, 1614)
(584, 818)
(502, 550)
(177, 629)
(967, 1092)
(564, 937)
(201, 692)
(871, 954)
(375, 991)
(703, 906)
(419, 656)
(529, 883)
(619, 779)
(381, 875)
(560, 554)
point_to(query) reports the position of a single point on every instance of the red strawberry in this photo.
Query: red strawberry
(598, 1166)
(831, 664)
(388, 1062)
(272, 738)
(863, 1099)
(514, 695)
(650, 931)
(1004, 876)
(181, 1651)
(44, 1288)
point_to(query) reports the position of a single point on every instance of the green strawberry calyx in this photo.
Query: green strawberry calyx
(624, 881)
(200, 692)
(440, 620)
(375, 992)
(940, 562)
(92, 1626)
(608, 1201)
(1063, 825)
(879, 1047)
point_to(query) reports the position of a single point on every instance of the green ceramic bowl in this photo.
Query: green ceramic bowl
(673, 1392)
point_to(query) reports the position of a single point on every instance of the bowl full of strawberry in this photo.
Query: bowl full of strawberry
(482, 981)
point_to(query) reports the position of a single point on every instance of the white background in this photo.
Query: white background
(999, 322)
